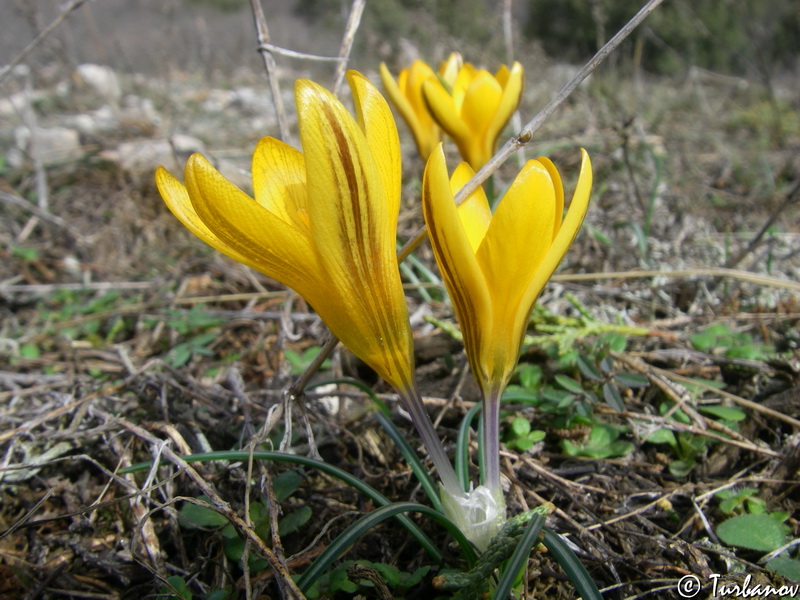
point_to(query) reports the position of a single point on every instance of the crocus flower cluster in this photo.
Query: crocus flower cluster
(470, 105)
(323, 222)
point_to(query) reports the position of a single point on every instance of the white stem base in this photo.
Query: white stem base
(478, 514)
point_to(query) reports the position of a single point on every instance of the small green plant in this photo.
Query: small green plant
(200, 516)
(199, 329)
(687, 446)
(176, 588)
(735, 501)
(567, 403)
(299, 361)
(343, 578)
(521, 436)
(752, 527)
(24, 253)
(720, 339)
(603, 442)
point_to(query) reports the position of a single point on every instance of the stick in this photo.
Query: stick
(347, 42)
(39, 38)
(262, 32)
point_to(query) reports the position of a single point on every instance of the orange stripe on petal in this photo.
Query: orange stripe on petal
(375, 118)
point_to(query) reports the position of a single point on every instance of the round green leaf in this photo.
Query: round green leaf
(754, 532)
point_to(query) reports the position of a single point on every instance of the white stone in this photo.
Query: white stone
(15, 104)
(254, 101)
(143, 156)
(101, 79)
(50, 145)
(102, 120)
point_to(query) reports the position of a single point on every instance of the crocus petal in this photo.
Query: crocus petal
(477, 112)
(457, 263)
(417, 74)
(515, 245)
(481, 102)
(520, 233)
(279, 181)
(443, 109)
(449, 68)
(375, 118)
(241, 224)
(176, 197)
(512, 83)
(466, 75)
(354, 240)
(406, 95)
(474, 212)
(397, 95)
(569, 228)
(559, 189)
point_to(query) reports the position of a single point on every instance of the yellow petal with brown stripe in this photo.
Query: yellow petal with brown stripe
(456, 260)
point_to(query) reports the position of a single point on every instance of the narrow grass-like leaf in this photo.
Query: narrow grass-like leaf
(427, 274)
(577, 573)
(405, 448)
(412, 459)
(348, 537)
(411, 276)
(520, 556)
(462, 447)
(354, 482)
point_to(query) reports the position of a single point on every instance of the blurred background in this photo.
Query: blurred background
(753, 39)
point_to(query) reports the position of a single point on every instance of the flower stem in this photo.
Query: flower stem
(490, 447)
(412, 402)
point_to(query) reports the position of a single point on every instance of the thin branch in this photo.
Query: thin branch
(787, 201)
(262, 32)
(508, 36)
(353, 22)
(301, 55)
(39, 38)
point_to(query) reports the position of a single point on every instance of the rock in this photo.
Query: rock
(100, 79)
(51, 145)
(143, 156)
(253, 101)
(217, 100)
(102, 120)
(136, 116)
(15, 104)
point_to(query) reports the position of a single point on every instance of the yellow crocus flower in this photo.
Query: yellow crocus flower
(322, 221)
(406, 95)
(475, 109)
(495, 265)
